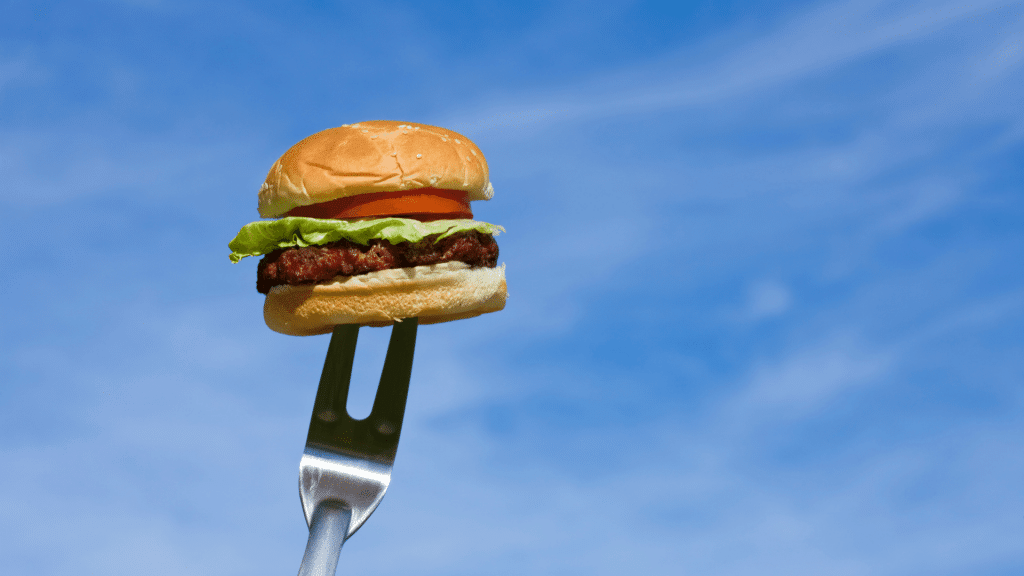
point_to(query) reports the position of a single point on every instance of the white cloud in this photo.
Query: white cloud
(767, 298)
(806, 44)
(805, 383)
(1006, 55)
(19, 70)
(53, 166)
(699, 491)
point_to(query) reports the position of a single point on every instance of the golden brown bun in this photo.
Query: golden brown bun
(374, 156)
(437, 293)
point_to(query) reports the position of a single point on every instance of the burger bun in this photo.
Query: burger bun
(373, 156)
(435, 293)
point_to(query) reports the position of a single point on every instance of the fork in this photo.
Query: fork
(346, 464)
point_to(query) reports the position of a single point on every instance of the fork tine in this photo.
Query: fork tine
(332, 394)
(389, 404)
(346, 465)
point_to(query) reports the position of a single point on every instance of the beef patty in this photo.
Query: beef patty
(344, 258)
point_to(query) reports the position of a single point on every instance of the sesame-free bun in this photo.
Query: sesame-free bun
(435, 293)
(373, 156)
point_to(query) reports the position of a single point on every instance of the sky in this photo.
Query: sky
(766, 301)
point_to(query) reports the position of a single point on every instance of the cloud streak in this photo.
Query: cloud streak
(763, 314)
(812, 43)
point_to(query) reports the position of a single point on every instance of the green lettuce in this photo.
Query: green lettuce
(265, 236)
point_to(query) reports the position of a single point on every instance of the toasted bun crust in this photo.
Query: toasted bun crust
(374, 156)
(437, 293)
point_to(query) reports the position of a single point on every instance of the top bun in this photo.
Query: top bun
(374, 156)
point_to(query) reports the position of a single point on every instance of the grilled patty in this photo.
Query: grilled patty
(344, 258)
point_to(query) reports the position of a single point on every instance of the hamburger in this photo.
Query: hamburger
(370, 223)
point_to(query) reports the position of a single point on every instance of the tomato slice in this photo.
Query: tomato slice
(422, 204)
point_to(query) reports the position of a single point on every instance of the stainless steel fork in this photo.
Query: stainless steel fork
(346, 465)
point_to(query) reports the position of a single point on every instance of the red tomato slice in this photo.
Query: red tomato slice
(422, 204)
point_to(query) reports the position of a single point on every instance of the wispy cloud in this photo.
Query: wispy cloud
(889, 166)
(806, 44)
(746, 280)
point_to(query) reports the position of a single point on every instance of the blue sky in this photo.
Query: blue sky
(764, 263)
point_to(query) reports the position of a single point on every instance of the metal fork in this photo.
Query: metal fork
(346, 465)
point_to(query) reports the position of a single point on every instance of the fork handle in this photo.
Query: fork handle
(326, 535)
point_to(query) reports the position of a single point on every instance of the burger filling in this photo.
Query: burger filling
(303, 250)
(311, 264)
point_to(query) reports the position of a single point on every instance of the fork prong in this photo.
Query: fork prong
(346, 465)
(332, 394)
(389, 404)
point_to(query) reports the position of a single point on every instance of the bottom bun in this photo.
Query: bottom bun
(436, 293)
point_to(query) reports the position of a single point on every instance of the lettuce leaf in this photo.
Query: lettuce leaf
(265, 236)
